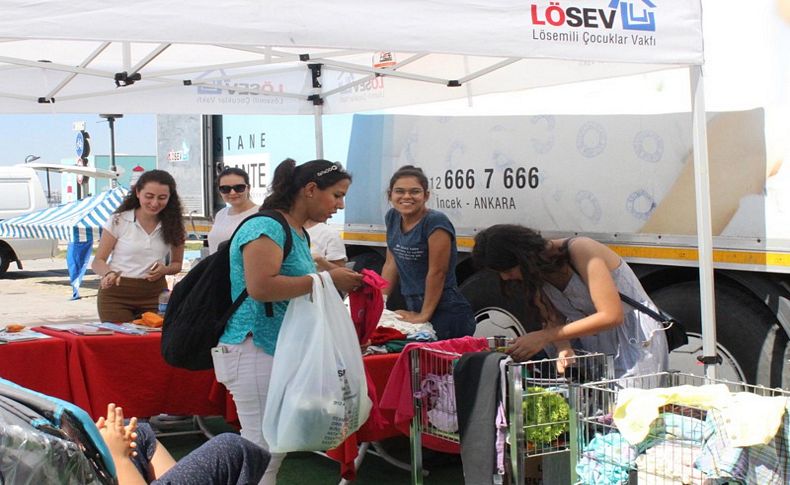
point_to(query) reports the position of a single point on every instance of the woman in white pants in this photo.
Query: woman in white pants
(246, 351)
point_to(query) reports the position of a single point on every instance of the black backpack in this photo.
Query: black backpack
(201, 304)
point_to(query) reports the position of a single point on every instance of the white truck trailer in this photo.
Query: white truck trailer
(624, 180)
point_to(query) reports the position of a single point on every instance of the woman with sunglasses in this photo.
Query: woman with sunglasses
(234, 186)
(576, 285)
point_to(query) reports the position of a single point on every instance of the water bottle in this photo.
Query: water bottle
(204, 250)
(164, 297)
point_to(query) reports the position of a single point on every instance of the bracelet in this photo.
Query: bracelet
(113, 272)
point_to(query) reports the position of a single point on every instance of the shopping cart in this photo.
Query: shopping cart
(433, 400)
(536, 400)
(540, 419)
(685, 443)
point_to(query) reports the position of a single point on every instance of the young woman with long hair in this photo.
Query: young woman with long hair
(141, 243)
(576, 284)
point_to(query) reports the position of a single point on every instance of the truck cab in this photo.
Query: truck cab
(21, 193)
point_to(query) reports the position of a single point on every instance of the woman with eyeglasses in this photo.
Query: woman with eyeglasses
(234, 187)
(576, 285)
(421, 254)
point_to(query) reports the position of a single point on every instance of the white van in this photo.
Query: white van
(21, 193)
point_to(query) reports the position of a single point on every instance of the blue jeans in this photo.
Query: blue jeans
(453, 316)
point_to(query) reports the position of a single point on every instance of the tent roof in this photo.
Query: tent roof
(244, 56)
(74, 221)
(87, 171)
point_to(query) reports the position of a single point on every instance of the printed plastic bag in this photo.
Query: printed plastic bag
(318, 393)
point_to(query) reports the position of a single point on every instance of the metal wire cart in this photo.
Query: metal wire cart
(540, 421)
(539, 417)
(435, 414)
(682, 429)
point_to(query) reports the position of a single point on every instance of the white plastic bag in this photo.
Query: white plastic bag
(318, 394)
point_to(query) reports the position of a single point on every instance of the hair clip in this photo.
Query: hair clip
(325, 171)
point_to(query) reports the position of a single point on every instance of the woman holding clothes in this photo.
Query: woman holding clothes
(576, 285)
(246, 351)
(234, 187)
(144, 232)
(421, 253)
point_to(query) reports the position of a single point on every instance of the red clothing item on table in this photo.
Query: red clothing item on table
(367, 304)
(396, 401)
(384, 334)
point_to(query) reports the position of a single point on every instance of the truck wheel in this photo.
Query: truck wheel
(749, 338)
(5, 260)
(494, 311)
(369, 260)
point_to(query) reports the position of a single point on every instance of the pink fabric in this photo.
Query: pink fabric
(396, 401)
(367, 304)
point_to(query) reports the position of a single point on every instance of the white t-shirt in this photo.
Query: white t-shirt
(224, 225)
(135, 250)
(325, 241)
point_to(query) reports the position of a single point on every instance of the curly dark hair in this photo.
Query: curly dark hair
(505, 246)
(173, 231)
(289, 178)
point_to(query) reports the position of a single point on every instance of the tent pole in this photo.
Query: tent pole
(318, 113)
(704, 233)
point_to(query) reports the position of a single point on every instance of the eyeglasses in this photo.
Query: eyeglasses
(238, 188)
(412, 192)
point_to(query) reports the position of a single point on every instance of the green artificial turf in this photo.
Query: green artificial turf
(306, 468)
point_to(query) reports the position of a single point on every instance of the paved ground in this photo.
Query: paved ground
(41, 294)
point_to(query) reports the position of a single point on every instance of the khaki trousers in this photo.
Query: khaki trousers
(129, 300)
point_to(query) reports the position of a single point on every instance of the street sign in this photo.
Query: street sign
(82, 145)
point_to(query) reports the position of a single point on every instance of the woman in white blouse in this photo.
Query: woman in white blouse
(141, 243)
(234, 187)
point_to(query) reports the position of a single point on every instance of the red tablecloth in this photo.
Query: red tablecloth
(39, 365)
(129, 370)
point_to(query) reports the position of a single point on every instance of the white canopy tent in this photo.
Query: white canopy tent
(314, 57)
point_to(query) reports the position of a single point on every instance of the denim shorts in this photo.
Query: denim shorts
(453, 316)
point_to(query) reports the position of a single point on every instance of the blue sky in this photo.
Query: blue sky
(52, 137)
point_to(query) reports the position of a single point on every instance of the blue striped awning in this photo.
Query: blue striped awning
(75, 221)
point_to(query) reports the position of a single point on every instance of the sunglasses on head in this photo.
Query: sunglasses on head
(239, 188)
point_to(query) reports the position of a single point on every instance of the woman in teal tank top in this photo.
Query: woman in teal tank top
(245, 355)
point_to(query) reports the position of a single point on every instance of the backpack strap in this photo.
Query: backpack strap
(279, 217)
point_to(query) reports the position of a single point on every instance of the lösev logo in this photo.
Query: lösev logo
(636, 15)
